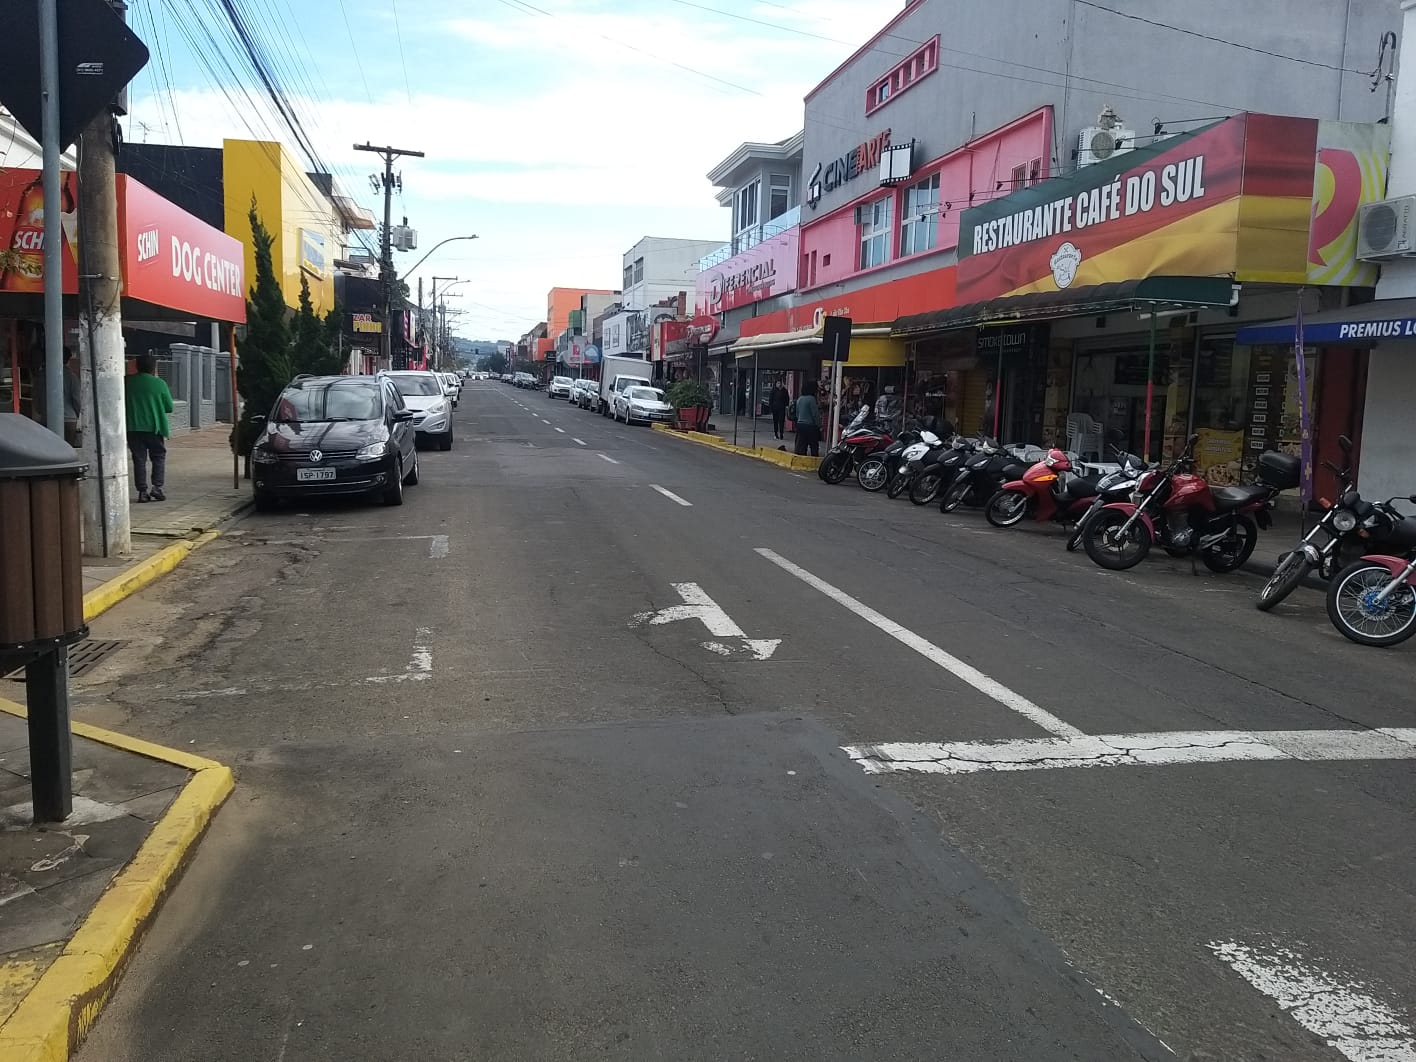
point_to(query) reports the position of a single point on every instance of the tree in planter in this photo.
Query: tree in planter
(689, 395)
(266, 358)
(315, 340)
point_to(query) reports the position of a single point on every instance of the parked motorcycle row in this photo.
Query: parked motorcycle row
(1120, 510)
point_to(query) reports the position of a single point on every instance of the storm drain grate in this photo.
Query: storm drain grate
(83, 656)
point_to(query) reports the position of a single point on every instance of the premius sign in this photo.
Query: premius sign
(1233, 197)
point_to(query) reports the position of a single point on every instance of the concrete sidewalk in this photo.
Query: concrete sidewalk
(200, 496)
(78, 895)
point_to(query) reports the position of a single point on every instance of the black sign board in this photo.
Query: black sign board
(98, 56)
(836, 338)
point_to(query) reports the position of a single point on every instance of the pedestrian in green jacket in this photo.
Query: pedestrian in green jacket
(148, 401)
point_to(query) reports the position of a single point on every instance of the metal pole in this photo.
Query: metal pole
(737, 386)
(53, 230)
(1150, 387)
(50, 746)
(235, 416)
(755, 355)
(998, 395)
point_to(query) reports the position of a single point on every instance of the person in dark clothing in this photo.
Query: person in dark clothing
(73, 406)
(779, 401)
(807, 414)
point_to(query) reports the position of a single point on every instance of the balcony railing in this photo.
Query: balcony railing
(751, 237)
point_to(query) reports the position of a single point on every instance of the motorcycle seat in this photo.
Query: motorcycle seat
(1237, 497)
(1081, 488)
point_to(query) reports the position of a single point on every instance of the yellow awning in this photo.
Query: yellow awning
(876, 352)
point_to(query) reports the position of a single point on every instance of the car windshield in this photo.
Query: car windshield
(329, 401)
(561, 380)
(415, 386)
(645, 394)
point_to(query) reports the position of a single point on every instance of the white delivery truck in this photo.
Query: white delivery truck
(617, 373)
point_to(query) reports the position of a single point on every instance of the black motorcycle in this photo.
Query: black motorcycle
(1347, 529)
(929, 474)
(981, 476)
(1113, 487)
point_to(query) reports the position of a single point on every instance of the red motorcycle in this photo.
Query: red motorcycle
(858, 441)
(1178, 510)
(1048, 491)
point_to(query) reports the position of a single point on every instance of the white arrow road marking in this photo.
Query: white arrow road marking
(420, 666)
(927, 649)
(697, 605)
(671, 496)
(1135, 750)
(1345, 1014)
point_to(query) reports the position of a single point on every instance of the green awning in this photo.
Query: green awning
(1149, 294)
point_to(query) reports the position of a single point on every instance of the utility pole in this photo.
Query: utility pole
(388, 154)
(103, 419)
(437, 333)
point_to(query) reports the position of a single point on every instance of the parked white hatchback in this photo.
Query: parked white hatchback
(424, 393)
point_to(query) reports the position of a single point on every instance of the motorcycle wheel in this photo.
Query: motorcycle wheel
(1235, 550)
(899, 483)
(1074, 540)
(1352, 607)
(872, 475)
(834, 467)
(1287, 574)
(954, 496)
(925, 488)
(1007, 508)
(1110, 551)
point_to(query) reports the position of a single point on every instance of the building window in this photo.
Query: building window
(873, 221)
(779, 190)
(639, 271)
(919, 230)
(916, 66)
(629, 276)
(745, 214)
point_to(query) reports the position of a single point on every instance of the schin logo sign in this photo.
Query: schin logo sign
(829, 176)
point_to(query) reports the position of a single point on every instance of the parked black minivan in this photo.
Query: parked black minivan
(335, 435)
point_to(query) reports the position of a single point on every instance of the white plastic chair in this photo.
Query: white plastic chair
(1084, 435)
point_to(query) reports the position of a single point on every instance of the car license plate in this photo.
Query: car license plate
(313, 475)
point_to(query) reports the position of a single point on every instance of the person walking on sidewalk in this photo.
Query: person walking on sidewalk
(148, 402)
(779, 402)
(807, 414)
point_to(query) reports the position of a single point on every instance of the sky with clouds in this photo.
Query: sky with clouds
(559, 131)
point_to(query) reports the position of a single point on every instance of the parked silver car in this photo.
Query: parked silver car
(423, 392)
(585, 393)
(642, 404)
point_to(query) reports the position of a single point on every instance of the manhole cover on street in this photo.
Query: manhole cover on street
(83, 656)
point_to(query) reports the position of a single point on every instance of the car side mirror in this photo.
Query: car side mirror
(403, 414)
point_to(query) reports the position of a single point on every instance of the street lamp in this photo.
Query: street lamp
(451, 239)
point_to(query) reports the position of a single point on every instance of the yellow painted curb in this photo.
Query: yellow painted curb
(61, 1008)
(100, 599)
(780, 458)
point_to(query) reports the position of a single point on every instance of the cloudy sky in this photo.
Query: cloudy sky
(558, 131)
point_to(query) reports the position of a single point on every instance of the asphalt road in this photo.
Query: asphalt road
(515, 784)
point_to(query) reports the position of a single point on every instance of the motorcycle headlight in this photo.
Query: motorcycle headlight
(1344, 521)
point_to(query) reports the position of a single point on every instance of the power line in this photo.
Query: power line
(398, 32)
(354, 49)
(524, 6)
(1219, 40)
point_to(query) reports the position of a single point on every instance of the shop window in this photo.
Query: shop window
(873, 223)
(779, 188)
(919, 229)
(916, 66)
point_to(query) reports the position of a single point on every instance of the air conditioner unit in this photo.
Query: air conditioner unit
(1099, 143)
(1384, 230)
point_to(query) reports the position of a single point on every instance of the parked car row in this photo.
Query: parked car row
(351, 436)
